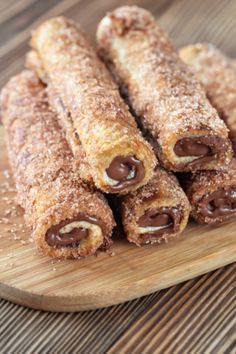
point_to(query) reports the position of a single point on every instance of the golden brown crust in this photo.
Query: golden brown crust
(163, 191)
(101, 119)
(168, 100)
(204, 183)
(217, 74)
(47, 179)
(72, 139)
(33, 61)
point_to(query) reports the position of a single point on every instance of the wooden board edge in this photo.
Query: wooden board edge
(85, 302)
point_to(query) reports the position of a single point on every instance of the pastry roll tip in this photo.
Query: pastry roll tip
(212, 195)
(68, 219)
(170, 104)
(95, 115)
(217, 74)
(156, 212)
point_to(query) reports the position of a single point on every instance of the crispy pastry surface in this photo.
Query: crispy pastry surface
(217, 74)
(162, 192)
(33, 61)
(47, 179)
(169, 102)
(91, 100)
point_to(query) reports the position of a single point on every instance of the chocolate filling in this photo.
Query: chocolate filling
(55, 238)
(203, 148)
(219, 203)
(191, 147)
(169, 218)
(126, 170)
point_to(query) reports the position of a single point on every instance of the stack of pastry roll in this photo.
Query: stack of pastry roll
(96, 120)
(69, 132)
(90, 108)
(212, 194)
(170, 104)
(68, 219)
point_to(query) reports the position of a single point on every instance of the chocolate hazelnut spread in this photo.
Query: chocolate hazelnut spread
(204, 148)
(126, 170)
(169, 218)
(191, 147)
(219, 203)
(54, 236)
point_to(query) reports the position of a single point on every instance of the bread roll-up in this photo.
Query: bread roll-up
(217, 74)
(212, 195)
(68, 219)
(170, 104)
(156, 212)
(119, 158)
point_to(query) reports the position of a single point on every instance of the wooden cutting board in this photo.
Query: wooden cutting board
(124, 273)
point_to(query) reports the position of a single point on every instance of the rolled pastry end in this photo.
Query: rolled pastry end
(212, 195)
(124, 171)
(75, 232)
(73, 235)
(74, 225)
(198, 151)
(215, 206)
(157, 222)
(218, 204)
(126, 167)
(157, 212)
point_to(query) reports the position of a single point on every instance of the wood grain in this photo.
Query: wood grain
(201, 324)
(33, 280)
(199, 316)
(175, 323)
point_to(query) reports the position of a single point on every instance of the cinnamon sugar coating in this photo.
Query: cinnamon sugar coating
(217, 74)
(33, 61)
(91, 100)
(203, 184)
(163, 191)
(169, 102)
(47, 179)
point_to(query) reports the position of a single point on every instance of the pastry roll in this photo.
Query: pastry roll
(68, 219)
(120, 159)
(156, 212)
(217, 74)
(212, 195)
(170, 104)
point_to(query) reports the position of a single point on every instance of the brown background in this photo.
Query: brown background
(193, 317)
